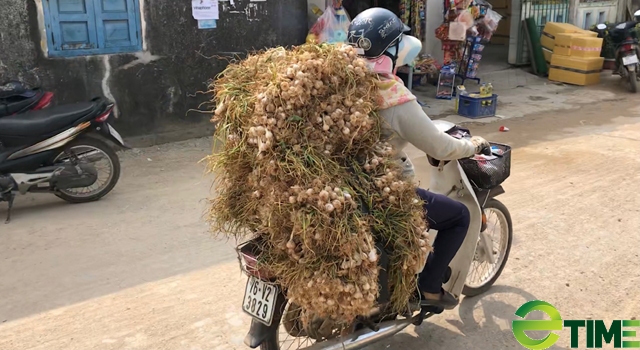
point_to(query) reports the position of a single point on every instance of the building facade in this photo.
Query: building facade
(148, 56)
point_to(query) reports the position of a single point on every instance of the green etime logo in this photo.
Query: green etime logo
(597, 331)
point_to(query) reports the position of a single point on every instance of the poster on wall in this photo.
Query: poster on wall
(205, 9)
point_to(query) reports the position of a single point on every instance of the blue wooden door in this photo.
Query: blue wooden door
(116, 23)
(75, 20)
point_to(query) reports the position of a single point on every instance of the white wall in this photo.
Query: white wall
(431, 44)
(595, 8)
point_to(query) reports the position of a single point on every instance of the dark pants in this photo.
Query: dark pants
(451, 218)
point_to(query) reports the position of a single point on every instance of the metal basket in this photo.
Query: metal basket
(487, 174)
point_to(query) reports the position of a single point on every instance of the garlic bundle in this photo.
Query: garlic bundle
(302, 166)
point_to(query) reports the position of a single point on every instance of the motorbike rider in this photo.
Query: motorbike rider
(380, 36)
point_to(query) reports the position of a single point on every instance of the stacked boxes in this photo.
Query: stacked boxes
(576, 70)
(501, 36)
(573, 54)
(577, 45)
(552, 29)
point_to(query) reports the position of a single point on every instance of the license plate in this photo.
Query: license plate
(260, 300)
(627, 60)
(115, 134)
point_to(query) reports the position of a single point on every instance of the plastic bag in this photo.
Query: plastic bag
(491, 19)
(466, 18)
(457, 31)
(330, 28)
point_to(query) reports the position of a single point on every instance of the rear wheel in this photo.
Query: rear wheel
(101, 156)
(633, 81)
(290, 334)
(483, 274)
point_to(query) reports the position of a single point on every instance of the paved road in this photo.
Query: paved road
(138, 269)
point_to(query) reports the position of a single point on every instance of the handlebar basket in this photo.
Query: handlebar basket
(487, 174)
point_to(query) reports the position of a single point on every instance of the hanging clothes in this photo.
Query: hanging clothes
(413, 14)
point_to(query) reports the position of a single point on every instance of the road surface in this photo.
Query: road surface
(138, 269)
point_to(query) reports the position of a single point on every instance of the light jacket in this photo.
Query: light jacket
(406, 122)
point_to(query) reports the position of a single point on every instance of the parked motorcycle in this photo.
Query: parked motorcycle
(276, 322)
(60, 150)
(625, 39)
(16, 98)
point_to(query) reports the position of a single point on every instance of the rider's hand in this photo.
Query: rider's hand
(481, 144)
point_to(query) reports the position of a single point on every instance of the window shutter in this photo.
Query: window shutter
(116, 23)
(73, 24)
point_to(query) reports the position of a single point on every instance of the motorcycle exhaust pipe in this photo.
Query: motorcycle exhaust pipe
(363, 337)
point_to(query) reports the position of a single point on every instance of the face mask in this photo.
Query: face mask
(408, 50)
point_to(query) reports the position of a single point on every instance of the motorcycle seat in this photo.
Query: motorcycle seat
(14, 88)
(17, 104)
(46, 121)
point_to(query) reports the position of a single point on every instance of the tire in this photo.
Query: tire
(113, 157)
(473, 291)
(633, 82)
(271, 342)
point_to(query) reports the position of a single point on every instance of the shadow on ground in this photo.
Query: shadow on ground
(483, 322)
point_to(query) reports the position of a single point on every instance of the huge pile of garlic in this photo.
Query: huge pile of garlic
(302, 166)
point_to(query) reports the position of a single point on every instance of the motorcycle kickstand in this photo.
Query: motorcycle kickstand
(12, 196)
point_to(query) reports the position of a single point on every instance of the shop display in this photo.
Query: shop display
(446, 82)
(471, 57)
(466, 19)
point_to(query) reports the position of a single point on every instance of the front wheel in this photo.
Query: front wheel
(101, 156)
(482, 273)
(633, 82)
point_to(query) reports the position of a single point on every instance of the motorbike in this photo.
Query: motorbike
(16, 98)
(59, 150)
(625, 40)
(276, 322)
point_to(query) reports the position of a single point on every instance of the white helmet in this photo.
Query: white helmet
(408, 50)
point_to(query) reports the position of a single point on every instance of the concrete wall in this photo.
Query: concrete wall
(154, 88)
(578, 8)
(435, 17)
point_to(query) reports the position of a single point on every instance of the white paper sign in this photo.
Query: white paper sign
(204, 9)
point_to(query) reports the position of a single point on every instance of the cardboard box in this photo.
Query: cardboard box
(505, 13)
(500, 4)
(551, 29)
(500, 40)
(575, 70)
(588, 33)
(504, 27)
(577, 45)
